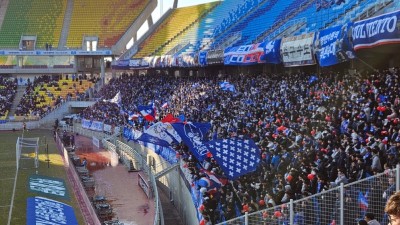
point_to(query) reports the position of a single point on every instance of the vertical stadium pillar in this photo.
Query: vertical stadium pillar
(150, 21)
(175, 4)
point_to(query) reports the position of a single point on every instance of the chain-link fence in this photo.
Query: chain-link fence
(342, 205)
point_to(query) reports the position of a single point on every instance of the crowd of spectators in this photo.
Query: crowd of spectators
(313, 133)
(29, 104)
(8, 89)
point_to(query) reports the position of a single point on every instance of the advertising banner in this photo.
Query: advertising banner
(376, 31)
(298, 50)
(46, 211)
(48, 186)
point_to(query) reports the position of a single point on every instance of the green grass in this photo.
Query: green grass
(7, 173)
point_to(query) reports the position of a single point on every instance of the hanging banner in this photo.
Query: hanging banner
(46, 211)
(187, 60)
(215, 57)
(298, 50)
(376, 31)
(244, 54)
(271, 51)
(332, 46)
(203, 58)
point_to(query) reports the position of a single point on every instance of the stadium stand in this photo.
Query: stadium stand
(301, 126)
(179, 20)
(45, 92)
(41, 18)
(108, 20)
(200, 35)
(7, 93)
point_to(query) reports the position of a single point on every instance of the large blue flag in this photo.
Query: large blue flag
(236, 157)
(193, 135)
(154, 140)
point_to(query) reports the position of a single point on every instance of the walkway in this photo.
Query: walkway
(130, 204)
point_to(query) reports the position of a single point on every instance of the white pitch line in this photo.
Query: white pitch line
(12, 198)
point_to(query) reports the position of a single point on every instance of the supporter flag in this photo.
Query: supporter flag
(133, 116)
(117, 99)
(169, 118)
(312, 79)
(164, 131)
(193, 135)
(148, 112)
(165, 105)
(226, 86)
(236, 157)
(151, 139)
(362, 201)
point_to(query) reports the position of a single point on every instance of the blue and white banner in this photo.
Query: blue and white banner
(97, 126)
(203, 58)
(46, 211)
(147, 138)
(236, 157)
(271, 51)
(332, 46)
(244, 54)
(131, 133)
(92, 125)
(164, 131)
(86, 123)
(298, 50)
(376, 31)
(193, 135)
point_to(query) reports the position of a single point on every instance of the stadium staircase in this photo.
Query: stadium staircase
(67, 22)
(171, 214)
(17, 99)
(3, 9)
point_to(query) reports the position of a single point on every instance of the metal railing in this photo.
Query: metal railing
(126, 149)
(342, 205)
(127, 153)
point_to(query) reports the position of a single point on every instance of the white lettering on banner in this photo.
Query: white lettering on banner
(329, 37)
(49, 212)
(328, 51)
(371, 29)
(359, 32)
(381, 26)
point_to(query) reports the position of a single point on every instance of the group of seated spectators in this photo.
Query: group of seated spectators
(314, 134)
(29, 104)
(8, 89)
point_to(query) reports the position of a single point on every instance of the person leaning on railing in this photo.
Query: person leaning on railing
(392, 208)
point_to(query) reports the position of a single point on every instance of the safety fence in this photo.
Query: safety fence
(341, 205)
(85, 205)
